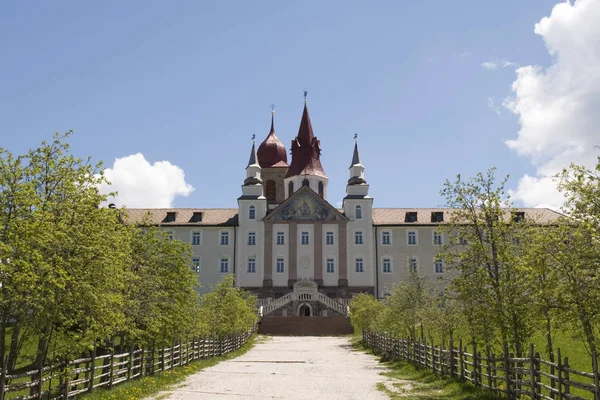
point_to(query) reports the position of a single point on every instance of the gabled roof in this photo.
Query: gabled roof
(183, 216)
(305, 205)
(397, 216)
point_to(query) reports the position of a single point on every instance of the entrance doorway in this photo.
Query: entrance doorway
(305, 310)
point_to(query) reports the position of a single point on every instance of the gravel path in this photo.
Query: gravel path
(289, 368)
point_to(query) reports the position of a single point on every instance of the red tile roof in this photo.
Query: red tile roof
(306, 151)
(271, 152)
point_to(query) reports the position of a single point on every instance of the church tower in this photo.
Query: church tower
(252, 208)
(306, 168)
(358, 208)
(272, 158)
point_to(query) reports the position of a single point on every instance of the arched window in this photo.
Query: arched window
(290, 188)
(321, 188)
(252, 213)
(358, 212)
(271, 190)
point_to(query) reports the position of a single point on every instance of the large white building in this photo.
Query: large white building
(285, 231)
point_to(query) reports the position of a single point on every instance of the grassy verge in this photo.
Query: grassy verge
(407, 382)
(151, 385)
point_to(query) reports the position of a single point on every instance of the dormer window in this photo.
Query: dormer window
(252, 212)
(518, 216)
(170, 216)
(358, 212)
(196, 217)
(437, 216)
(411, 216)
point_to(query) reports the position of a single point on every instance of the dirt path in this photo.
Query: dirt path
(289, 368)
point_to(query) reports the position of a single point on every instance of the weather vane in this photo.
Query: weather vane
(272, 108)
(253, 137)
(355, 136)
(305, 94)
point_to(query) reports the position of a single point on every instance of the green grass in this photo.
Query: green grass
(407, 382)
(151, 385)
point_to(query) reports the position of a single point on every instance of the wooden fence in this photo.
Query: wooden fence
(66, 380)
(514, 378)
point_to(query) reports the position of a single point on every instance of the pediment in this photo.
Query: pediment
(305, 205)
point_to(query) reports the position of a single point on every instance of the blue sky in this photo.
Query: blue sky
(189, 82)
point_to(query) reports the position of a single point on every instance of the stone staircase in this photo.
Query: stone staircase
(304, 290)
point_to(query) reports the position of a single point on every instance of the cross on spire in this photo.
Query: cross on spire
(272, 108)
(305, 94)
(253, 137)
(355, 136)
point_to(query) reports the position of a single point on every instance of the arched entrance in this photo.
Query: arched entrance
(305, 310)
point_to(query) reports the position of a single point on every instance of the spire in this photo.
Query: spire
(356, 155)
(271, 152)
(306, 150)
(306, 131)
(253, 157)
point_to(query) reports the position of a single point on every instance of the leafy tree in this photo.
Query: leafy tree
(227, 309)
(487, 265)
(364, 311)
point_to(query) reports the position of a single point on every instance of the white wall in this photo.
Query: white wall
(281, 279)
(245, 251)
(367, 250)
(305, 266)
(331, 251)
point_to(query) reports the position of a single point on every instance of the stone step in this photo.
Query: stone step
(305, 326)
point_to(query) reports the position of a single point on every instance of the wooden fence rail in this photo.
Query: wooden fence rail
(509, 376)
(68, 379)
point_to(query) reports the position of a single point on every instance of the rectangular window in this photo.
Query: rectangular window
(412, 238)
(170, 235)
(437, 216)
(386, 239)
(280, 238)
(413, 264)
(224, 238)
(252, 265)
(387, 265)
(224, 266)
(280, 265)
(329, 238)
(196, 238)
(411, 216)
(251, 238)
(304, 238)
(358, 237)
(437, 239)
(359, 265)
(330, 265)
(439, 266)
(196, 265)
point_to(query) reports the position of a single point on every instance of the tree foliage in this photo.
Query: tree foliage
(74, 274)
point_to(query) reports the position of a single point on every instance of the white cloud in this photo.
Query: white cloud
(493, 106)
(558, 107)
(141, 184)
(465, 53)
(489, 65)
(492, 65)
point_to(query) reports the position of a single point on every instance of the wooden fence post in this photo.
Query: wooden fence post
(596, 377)
(111, 364)
(489, 366)
(130, 363)
(567, 383)
(475, 365)
(532, 380)
(507, 372)
(66, 381)
(142, 351)
(451, 358)
(92, 369)
(559, 375)
(461, 359)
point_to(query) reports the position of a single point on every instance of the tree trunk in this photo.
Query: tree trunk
(14, 346)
